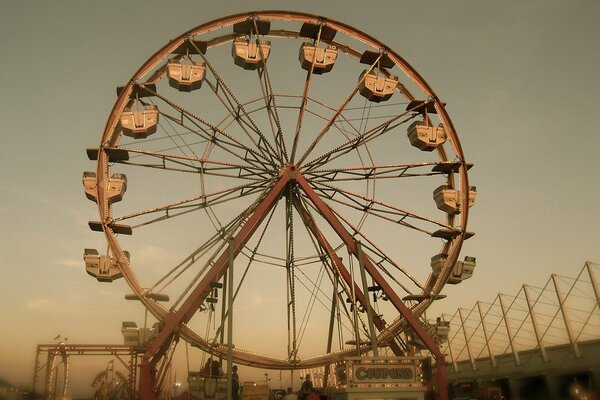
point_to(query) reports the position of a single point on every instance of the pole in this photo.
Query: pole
(509, 331)
(534, 323)
(230, 319)
(485, 334)
(561, 304)
(363, 276)
(462, 323)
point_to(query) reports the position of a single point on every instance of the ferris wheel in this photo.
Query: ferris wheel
(299, 155)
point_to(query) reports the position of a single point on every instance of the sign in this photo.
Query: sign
(382, 373)
(386, 373)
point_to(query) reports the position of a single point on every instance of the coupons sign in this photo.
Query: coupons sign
(383, 373)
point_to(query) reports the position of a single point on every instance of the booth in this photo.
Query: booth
(374, 378)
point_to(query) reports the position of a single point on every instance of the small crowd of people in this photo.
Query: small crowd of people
(213, 369)
(307, 391)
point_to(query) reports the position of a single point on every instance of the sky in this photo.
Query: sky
(520, 80)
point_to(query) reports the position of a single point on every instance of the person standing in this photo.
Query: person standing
(306, 387)
(235, 383)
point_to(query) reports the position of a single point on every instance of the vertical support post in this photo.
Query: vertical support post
(290, 274)
(334, 300)
(485, 335)
(462, 323)
(133, 364)
(454, 364)
(411, 319)
(594, 283)
(35, 368)
(363, 276)
(534, 323)
(561, 303)
(354, 309)
(223, 308)
(509, 331)
(442, 377)
(50, 368)
(230, 318)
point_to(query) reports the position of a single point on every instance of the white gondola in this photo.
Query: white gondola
(131, 333)
(324, 59)
(442, 330)
(462, 269)
(250, 54)
(426, 137)
(117, 185)
(103, 268)
(147, 335)
(377, 87)
(437, 263)
(447, 199)
(185, 77)
(140, 124)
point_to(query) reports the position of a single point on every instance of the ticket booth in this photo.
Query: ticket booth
(379, 378)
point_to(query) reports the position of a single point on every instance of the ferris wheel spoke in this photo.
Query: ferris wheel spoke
(303, 104)
(313, 287)
(271, 105)
(338, 111)
(246, 223)
(175, 272)
(242, 119)
(350, 287)
(196, 203)
(378, 252)
(212, 133)
(331, 262)
(375, 251)
(374, 172)
(197, 165)
(238, 111)
(374, 207)
(360, 140)
(252, 256)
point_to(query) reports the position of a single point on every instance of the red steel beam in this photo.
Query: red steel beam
(338, 263)
(172, 322)
(410, 318)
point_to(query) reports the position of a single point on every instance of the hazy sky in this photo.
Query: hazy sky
(521, 83)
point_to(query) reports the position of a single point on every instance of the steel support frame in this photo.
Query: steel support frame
(157, 349)
(452, 359)
(511, 339)
(363, 277)
(230, 394)
(462, 324)
(590, 271)
(534, 323)
(410, 318)
(561, 305)
(91, 350)
(486, 336)
(341, 269)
